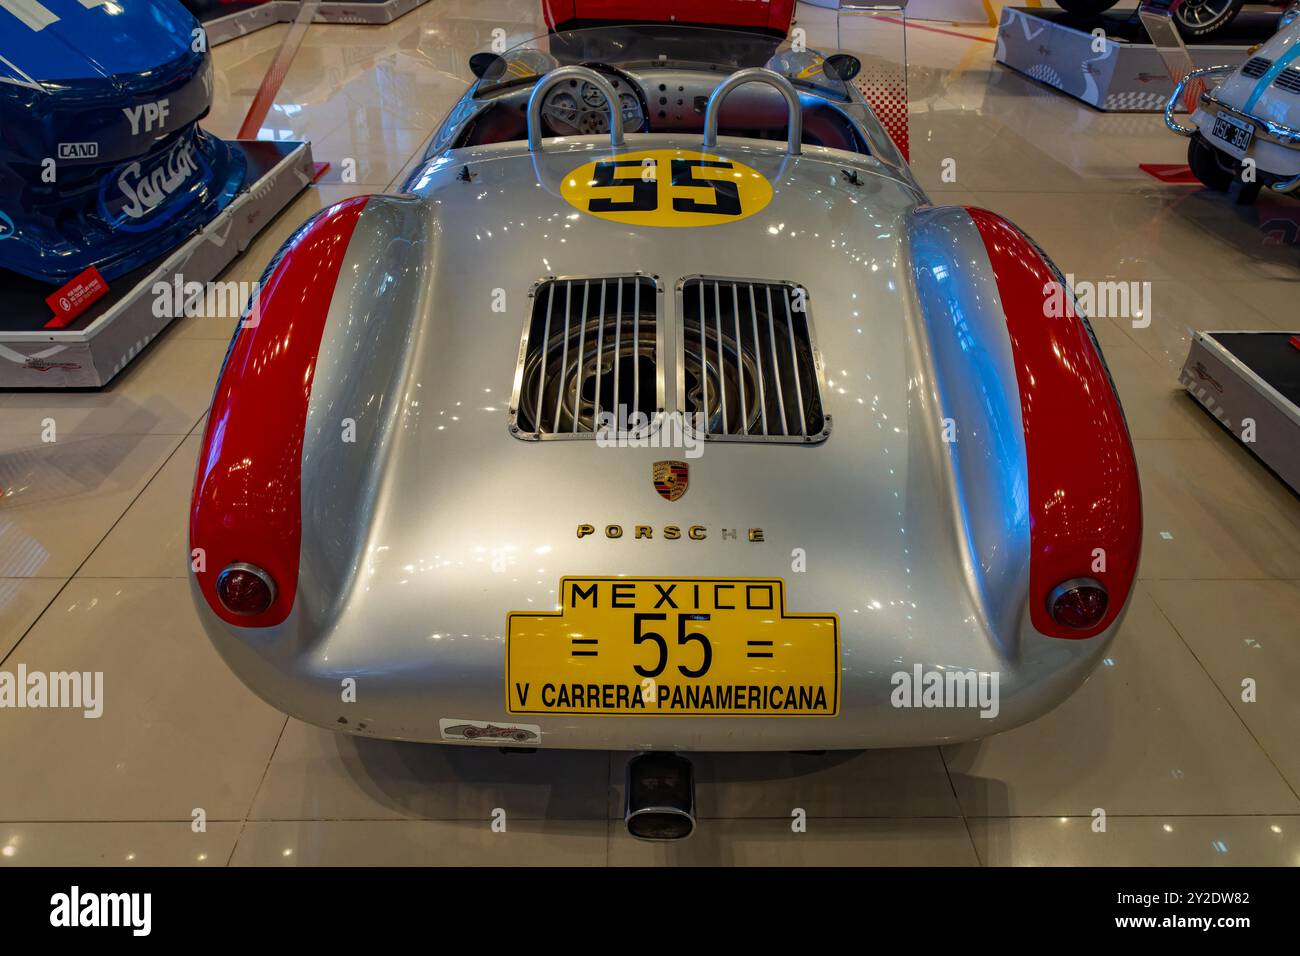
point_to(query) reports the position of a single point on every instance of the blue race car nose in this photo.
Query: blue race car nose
(102, 162)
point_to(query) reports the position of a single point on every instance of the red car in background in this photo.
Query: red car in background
(763, 16)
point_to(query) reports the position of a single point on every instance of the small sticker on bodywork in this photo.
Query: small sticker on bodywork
(455, 728)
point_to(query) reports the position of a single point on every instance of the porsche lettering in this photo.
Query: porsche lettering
(672, 532)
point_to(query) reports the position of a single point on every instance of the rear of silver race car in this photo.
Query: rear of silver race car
(406, 532)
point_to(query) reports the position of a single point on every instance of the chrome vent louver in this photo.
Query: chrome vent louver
(1256, 67)
(748, 367)
(1289, 80)
(591, 345)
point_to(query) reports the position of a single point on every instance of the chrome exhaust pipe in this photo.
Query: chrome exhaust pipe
(660, 797)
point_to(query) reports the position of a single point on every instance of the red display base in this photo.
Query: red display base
(1173, 173)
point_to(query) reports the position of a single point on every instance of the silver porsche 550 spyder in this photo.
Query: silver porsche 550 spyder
(663, 411)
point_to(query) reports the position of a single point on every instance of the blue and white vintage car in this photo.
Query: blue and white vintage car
(1246, 125)
(102, 161)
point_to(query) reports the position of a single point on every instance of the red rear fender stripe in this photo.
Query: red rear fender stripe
(1085, 500)
(247, 502)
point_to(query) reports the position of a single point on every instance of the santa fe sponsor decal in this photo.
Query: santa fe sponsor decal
(132, 196)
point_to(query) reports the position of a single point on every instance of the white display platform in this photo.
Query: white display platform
(1250, 382)
(99, 344)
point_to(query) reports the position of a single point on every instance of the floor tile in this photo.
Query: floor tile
(1211, 510)
(421, 843)
(1155, 404)
(1133, 212)
(1138, 841)
(152, 539)
(1180, 308)
(318, 774)
(177, 730)
(1110, 333)
(369, 154)
(826, 842)
(1246, 630)
(61, 499)
(21, 602)
(1148, 733)
(1258, 241)
(1277, 299)
(869, 783)
(116, 844)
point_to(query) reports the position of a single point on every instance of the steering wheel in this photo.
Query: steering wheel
(578, 108)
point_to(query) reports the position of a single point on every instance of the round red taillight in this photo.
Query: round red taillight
(1079, 603)
(245, 589)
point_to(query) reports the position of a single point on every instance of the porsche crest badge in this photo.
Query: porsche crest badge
(671, 478)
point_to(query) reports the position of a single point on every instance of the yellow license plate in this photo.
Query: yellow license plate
(673, 647)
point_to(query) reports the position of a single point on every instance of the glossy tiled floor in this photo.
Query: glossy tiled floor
(93, 563)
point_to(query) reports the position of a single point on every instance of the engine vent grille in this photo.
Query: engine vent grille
(1256, 67)
(747, 363)
(1289, 80)
(591, 345)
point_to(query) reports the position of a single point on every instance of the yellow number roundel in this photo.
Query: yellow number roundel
(667, 187)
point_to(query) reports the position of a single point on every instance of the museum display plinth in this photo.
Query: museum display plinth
(1122, 71)
(1250, 382)
(98, 343)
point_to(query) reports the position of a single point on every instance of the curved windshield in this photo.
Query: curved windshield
(662, 46)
